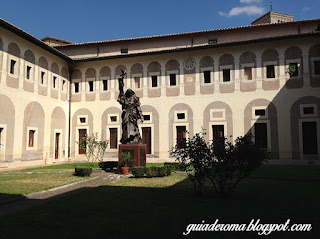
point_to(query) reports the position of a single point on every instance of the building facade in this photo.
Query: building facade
(221, 82)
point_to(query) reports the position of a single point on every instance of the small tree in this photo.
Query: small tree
(233, 163)
(223, 163)
(94, 148)
(196, 155)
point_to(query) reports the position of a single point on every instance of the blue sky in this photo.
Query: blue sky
(98, 20)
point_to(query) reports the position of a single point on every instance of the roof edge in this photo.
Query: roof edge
(301, 35)
(12, 28)
(185, 33)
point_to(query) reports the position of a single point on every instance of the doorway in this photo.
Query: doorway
(181, 136)
(113, 138)
(56, 150)
(309, 138)
(146, 138)
(82, 133)
(260, 134)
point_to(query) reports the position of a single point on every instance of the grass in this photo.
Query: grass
(17, 185)
(163, 207)
(60, 167)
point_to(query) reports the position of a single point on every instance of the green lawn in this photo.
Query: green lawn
(22, 184)
(163, 207)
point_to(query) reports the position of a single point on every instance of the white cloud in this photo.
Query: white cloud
(306, 9)
(250, 1)
(249, 10)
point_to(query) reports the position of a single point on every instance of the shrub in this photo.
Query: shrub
(94, 148)
(151, 172)
(176, 166)
(161, 171)
(82, 171)
(169, 170)
(139, 172)
(223, 163)
(108, 165)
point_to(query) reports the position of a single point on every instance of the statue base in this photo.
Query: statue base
(137, 150)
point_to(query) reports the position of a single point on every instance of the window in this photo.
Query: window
(212, 41)
(207, 77)
(154, 80)
(124, 51)
(270, 71)
(173, 80)
(54, 81)
(146, 117)
(137, 82)
(31, 138)
(28, 72)
(105, 84)
(76, 87)
(247, 73)
(260, 112)
(12, 65)
(181, 116)
(82, 120)
(226, 75)
(317, 67)
(63, 84)
(293, 69)
(42, 77)
(90, 86)
(308, 110)
(113, 118)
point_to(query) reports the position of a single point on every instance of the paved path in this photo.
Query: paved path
(97, 179)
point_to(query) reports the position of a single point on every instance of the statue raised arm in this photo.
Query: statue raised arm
(131, 113)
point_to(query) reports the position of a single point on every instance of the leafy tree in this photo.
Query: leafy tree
(224, 164)
(94, 148)
(196, 155)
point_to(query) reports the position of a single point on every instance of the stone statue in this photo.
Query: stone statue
(131, 113)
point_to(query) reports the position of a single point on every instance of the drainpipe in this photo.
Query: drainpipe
(71, 67)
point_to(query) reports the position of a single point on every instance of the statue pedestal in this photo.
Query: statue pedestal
(137, 150)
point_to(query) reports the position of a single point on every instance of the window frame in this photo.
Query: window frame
(16, 67)
(202, 70)
(315, 111)
(177, 78)
(226, 67)
(35, 138)
(151, 74)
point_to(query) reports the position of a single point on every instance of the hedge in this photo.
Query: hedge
(82, 171)
(176, 166)
(108, 165)
(151, 172)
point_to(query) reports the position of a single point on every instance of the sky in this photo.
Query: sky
(99, 20)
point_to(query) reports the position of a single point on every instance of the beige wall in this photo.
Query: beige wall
(28, 104)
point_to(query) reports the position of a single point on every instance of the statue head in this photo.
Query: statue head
(129, 93)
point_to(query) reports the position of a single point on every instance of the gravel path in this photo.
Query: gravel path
(97, 179)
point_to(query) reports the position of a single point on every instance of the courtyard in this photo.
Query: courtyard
(163, 207)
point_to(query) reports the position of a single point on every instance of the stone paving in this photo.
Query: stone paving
(97, 179)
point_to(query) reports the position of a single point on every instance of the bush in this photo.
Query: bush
(82, 171)
(139, 172)
(161, 171)
(151, 172)
(223, 163)
(176, 166)
(168, 170)
(108, 165)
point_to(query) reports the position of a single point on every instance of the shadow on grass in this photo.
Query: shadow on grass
(149, 212)
(5, 197)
